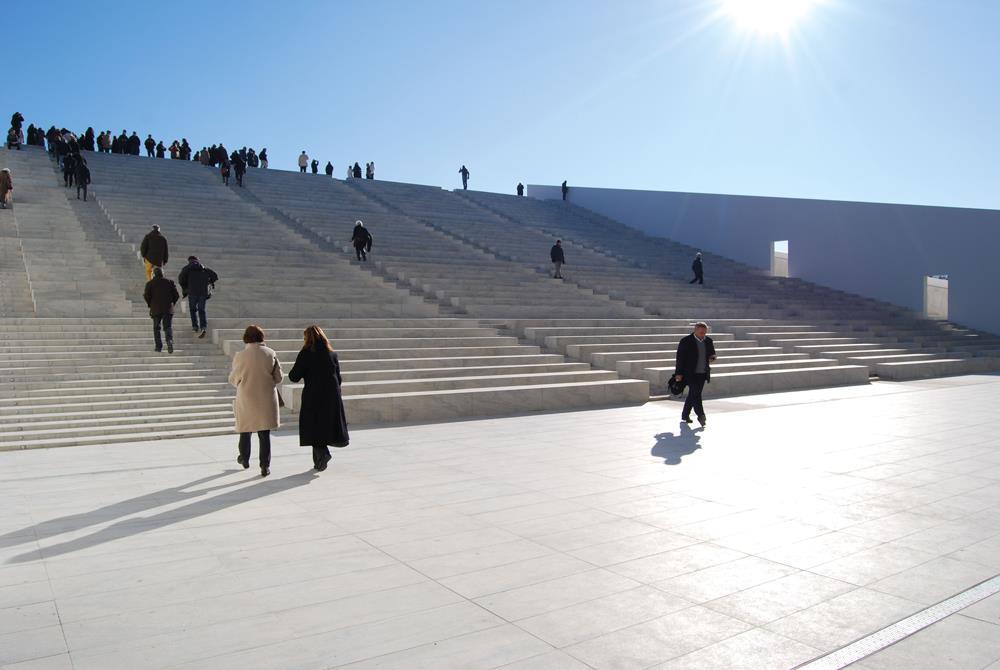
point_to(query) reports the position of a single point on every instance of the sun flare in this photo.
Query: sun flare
(776, 17)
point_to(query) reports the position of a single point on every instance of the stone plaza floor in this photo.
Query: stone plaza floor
(789, 527)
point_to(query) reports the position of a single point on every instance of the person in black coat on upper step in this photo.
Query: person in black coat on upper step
(558, 259)
(698, 269)
(197, 283)
(695, 355)
(322, 420)
(362, 241)
(82, 176)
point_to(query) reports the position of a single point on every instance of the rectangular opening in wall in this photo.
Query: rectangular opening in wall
(936, 296)
(779, 258)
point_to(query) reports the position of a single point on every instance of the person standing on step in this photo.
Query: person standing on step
(82, 176)
(224, 170)
(322, 420)
(558, 259)
(362, 241)
(303, 162)
(329, 169)
(357, 171)
(520, 190)
(161, 151)
(263, 157)
(256, 375)
(6, 187)
(369, 170)
(565, 190)
(464, 171)
(150, 145)
(695, 355)
(154, 251)
(132, 146)
(373, 170)
(698, 269)
(161, 296)
(197, 283)
(315, 166)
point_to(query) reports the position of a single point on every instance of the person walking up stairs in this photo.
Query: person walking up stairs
(197, 282)
(161, 296)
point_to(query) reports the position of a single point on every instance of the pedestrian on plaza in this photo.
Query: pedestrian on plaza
(303, 162)
(698, 269)
(161, 296)
(565, 190)
(256, 375)
(558, 259)
(695, 355)
(464, 171)
(154, 251)
(357, 171)
(520, 190)
(362, 241)
(150, 145)
(82, 176)
(322, 420)
(161, 151)
(6, 187)
(263, 157)
(329, 169)
(197, 284)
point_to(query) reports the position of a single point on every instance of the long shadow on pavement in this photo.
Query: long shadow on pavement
(137, 525)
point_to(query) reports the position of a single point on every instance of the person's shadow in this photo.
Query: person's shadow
(136, 525)
(672, 447)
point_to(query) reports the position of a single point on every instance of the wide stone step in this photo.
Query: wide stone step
(426, 406)
(585, 351)
(941, 367)
(232, 347)
(69, 417)
(115, 426)
(44, 393)
(136, 432)
(483, 381)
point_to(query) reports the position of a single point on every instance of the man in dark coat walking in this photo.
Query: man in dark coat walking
(82, 175)
(558, 259)
(154, 251)
(695, 355)
(197, 282)
(362, 241)
(698, 269)
(161, 296)
(565, 189)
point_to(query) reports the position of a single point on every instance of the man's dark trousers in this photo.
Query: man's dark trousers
(699, 278)
(695, 384)
(167, 320)
(196, 308)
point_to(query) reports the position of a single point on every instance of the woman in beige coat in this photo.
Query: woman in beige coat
(256, 375)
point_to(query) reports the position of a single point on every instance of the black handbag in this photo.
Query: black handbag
(675, 387)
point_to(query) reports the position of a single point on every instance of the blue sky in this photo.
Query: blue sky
(880, 100)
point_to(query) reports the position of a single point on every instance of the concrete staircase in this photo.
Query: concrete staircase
(817, 321)
(71, 381)
(66, 275)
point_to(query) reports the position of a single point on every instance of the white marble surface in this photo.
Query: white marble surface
(618, 538)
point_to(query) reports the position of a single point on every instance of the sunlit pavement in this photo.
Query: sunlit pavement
(790, 526)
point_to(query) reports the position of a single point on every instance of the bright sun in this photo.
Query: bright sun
(776, 17)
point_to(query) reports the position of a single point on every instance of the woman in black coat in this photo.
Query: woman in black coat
(322, 421)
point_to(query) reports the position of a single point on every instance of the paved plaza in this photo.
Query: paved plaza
(791, 526)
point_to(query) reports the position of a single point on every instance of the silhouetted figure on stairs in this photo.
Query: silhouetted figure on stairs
(464, 171)
(558, 259)
(520, 190)
(82, 177)
(698, 269)
(161, 296)
(362, 241)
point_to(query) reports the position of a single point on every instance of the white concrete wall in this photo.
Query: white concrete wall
(883, 251)
(936, 298)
